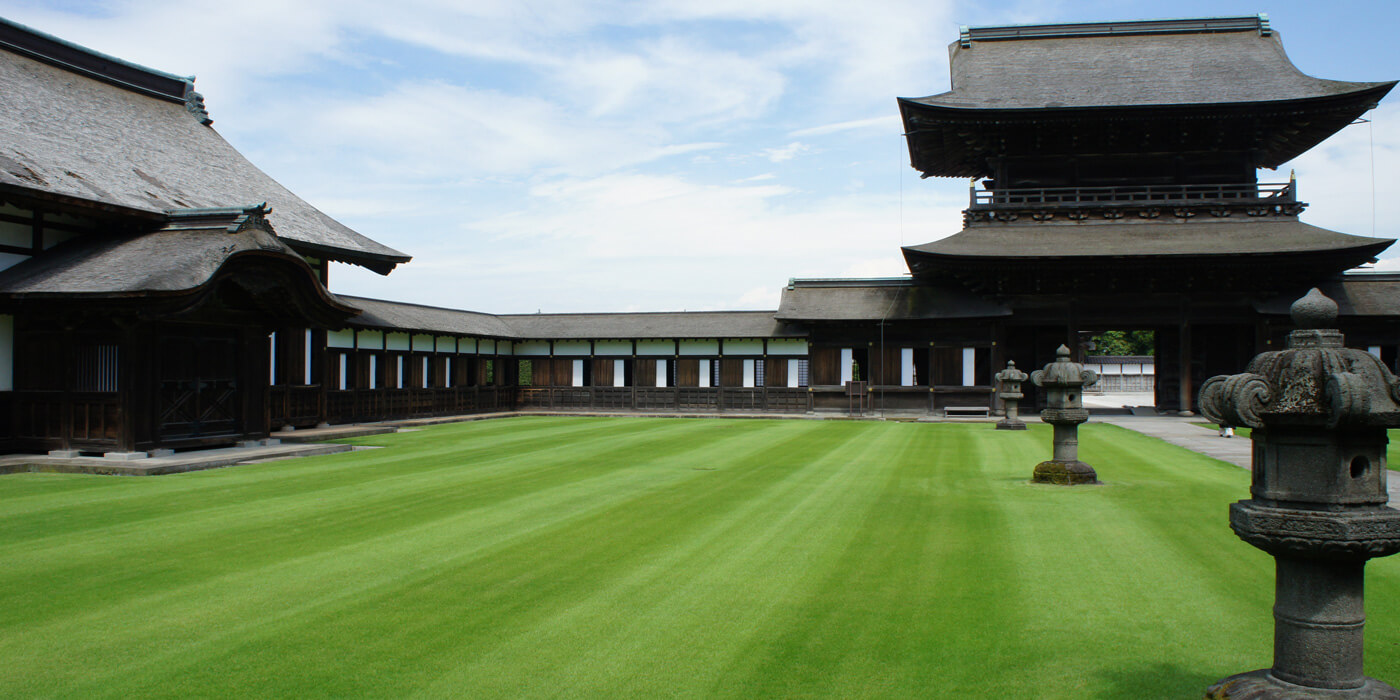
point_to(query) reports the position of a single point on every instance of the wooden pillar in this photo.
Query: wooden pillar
(1184, 370)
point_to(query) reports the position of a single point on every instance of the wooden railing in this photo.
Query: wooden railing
(80, 419)
(360, 405)
(1134, 195)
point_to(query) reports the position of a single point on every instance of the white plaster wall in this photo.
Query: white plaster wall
(343, 338)
(743, 346)
(373, 340)
(700, 347)
(397, 341)
(487, 347)
(422, 342)
(656, 347)
(571, 347)
(466, 346)
(612, 347)
(787, 347)
(446, 343)
(532, 348)
(9, 260)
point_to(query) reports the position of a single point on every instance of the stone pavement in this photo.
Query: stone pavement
(193, 460)
(1236, 450)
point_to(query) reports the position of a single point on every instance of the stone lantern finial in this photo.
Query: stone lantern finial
(1319, 411)
(1064, 383)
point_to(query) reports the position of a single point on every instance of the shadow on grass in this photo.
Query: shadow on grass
(1158, 680)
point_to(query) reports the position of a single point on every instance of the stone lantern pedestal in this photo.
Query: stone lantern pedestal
(1009, 389)
(1064, 383)
(1320, 413)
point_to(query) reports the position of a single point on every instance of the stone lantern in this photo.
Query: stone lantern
(1064, 383)
(1319, 413)
(1009, 389)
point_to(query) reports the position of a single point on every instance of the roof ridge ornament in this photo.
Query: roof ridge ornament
(194, 103)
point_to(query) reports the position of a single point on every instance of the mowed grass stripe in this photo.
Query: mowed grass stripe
(602, 557)
(339, 572)
(216, 538)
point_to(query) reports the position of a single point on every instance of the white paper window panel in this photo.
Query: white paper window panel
(969, 366)
(271, 358)
(577, 379)
(532, 348)
(374, 371)
(661, 373)
(397, 341)
(704, 373)
(487, 347)
(700, 347)
(446, 343)
(466, 346)
(398, 373)
(619, 372)
(373, 340)
(906, 366)
(792, 377)
(344, 338)
(612, 347)
(748, 373)
(656, 347)
(743, 346)
(344, 372)
(422, 342)
(306, 365)
(1110, 368)
(787, 347)
(845, 365)
(1374, 350)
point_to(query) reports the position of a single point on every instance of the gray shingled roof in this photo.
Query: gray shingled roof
(180, 257)
(1356, 294)
(65, 134)
(1154, 238)
(1133, 70)
(876, 299)
(379, 313)
(679, 324)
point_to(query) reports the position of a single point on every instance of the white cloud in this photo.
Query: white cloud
(890, 124)
(1336, 178)
(785, 153)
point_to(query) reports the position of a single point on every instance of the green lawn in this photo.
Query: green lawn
(626, 557)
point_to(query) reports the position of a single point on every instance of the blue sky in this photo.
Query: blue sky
(621, 156)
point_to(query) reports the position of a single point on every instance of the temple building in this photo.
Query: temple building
(158, 291)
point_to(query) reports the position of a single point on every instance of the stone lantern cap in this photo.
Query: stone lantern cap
(1315, 382)
(1063, 382)
(1010, 380)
